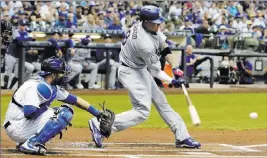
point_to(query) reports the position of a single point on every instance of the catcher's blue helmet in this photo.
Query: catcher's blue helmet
(54, 65)
(152, 14)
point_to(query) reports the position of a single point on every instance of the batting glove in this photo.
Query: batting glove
(178, 82)
(177, 73)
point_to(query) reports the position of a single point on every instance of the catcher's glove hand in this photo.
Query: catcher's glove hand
(106, 119)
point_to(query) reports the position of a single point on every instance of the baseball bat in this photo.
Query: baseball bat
(191, 108)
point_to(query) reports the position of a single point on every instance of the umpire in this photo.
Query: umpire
(12, 55)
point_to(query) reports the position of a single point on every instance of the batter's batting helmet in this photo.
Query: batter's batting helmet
(152, 14)
(54, 65)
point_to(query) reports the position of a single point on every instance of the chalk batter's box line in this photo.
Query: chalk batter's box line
(125, 156)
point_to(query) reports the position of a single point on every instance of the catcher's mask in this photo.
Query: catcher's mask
(58, 68)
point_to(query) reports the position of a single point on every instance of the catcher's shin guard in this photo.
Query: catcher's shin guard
(35, 144)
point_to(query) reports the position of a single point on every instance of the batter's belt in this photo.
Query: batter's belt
(123, 64)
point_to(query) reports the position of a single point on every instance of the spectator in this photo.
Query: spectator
(71, 22)
(35, 18)
(223, 33)
(90, 23)
(238, 24)
(202, 36)
(61, 22)
(232, 10)
(108, 19)
(199, 8)
(175, 20)
(85, 11)
(22, 17)
(8, 6)
(260, 20)
(126, 21)
(176, 9)
(116, 25)
(44, 8)
(213, 9)
(6, 16)
(257, 32)
(188, 26)
(170, 26)
(80, 17)
(14, 20)
(192, 62)
(100, 23)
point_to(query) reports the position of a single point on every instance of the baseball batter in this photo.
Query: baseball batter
(140, 50)
(31, 122)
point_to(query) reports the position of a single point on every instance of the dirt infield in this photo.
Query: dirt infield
(137, 143)
(150, 142)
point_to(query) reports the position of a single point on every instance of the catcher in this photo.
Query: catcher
(31, 122)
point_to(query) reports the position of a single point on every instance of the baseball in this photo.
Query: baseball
(253, 115)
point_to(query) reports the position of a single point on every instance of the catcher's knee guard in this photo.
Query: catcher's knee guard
(54, 126)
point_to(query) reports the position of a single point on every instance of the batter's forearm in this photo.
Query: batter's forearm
(161, 75)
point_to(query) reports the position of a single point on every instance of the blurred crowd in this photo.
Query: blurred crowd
(240, 16)
(204, 19)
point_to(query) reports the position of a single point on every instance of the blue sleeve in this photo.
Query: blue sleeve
(54, 42)
(71, 99)
(249, 65)
(24, 39)
(69, 42)
(29, 110)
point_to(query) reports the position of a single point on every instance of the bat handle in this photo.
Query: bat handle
(184, 89)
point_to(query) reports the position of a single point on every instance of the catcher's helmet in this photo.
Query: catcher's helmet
(152, 14)
(54, 65)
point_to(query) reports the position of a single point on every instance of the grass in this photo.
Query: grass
(217, 111)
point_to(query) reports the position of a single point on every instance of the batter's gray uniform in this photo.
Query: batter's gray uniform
(140, 51)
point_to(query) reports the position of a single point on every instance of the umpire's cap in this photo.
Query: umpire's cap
(152, 14)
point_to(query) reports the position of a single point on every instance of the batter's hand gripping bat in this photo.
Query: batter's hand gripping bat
(192, 110)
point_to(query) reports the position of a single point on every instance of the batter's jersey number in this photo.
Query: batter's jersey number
(127, 36)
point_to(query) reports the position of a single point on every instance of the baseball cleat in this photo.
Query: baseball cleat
(18, 145)
(96, 135)
(187, 143)
(30, 148)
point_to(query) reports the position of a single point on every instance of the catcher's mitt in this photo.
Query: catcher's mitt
(106, 119)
